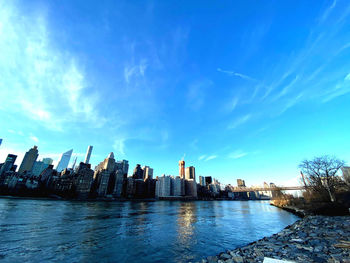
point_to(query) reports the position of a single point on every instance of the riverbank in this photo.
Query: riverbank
(311, 239)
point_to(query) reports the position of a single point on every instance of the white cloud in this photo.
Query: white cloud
(328, 11)
(211, 157)
(231, 106)
(119, 146)
(135, 71)
(196, 93)
(38, 80)
(237, 154)
(238, 122)
(233, 73)
(34, 138)
(201, 157)
(347, 77)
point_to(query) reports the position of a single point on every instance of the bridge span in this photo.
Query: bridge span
(254, 189)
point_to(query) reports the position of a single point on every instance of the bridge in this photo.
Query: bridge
(254, 189)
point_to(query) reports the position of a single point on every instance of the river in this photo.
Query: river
(164, 231)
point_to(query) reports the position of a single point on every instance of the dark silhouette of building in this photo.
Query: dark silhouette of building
(208, 180)
(8, 164)
(138, 172)
(28, 160)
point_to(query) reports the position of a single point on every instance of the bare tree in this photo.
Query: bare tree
(321, 175)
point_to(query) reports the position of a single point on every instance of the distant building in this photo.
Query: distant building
(103, 183)
(164, 186)
(182, 169)
(84, 180)
(8, 164)
(88, 154)
(208, 180)
(123, 166)
(191, 188)
(64, 161)
(190, 173)
(40, 166)
(178, 186)
(28, 160)
(147, 173)
(138, 172)
(346, 173)
(240, 183)
(119, 183)
(201, 180)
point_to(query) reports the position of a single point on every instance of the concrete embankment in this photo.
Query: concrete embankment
(311, 239)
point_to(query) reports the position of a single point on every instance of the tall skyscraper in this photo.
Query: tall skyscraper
(64, 161)
(138, 172)
(182, 169)
(190, 173)
(40, 166)
(123, 166)
(88, 154)
(8, 164)
(240, 183)
(147, 173)
(28, 160)
(47, 161)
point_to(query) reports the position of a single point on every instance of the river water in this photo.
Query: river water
(69, 231)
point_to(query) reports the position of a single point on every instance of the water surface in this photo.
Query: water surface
(66, 231)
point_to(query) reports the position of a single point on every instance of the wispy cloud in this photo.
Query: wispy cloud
(232, 104)
(236, 74)
(240, 121)
(196, 94)
(237, 154)
(48, 86)
(202, 157)
(211, 157)
(119, 146)
(135, 71)
(340, 89)
(328, 11)
(34, 138)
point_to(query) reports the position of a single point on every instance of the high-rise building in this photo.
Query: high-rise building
(240, 183)
(88, 154)
(179, 186)
(64, 161)
(138, 172)
(208, 180)
(123, 166)
(190, 173)
(164, 186)
(47, 161)
(201, 180)
(40, 166)
(147, 173)
(182, 169)
(8, 164)
(190, 188)
(28, 160)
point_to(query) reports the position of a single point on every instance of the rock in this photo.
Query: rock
(212, 259)
(238, 259)
(225, 256)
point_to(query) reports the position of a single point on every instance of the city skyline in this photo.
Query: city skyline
(239, 102)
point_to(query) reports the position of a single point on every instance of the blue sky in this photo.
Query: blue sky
(242, 89)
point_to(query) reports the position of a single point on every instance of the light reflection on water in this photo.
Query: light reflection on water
(49, 230)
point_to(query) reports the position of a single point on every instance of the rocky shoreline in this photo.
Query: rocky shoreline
(311, 239)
